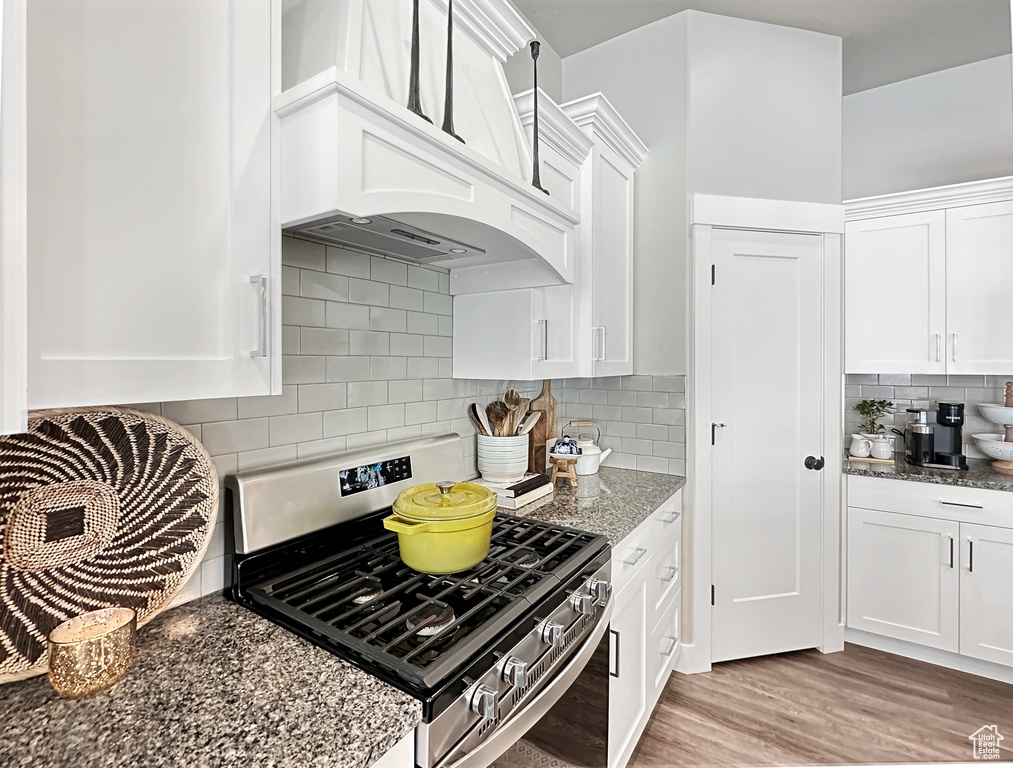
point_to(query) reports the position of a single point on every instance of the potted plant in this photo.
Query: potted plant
(871, 412)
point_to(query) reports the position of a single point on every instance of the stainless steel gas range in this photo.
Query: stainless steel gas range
(487, 651)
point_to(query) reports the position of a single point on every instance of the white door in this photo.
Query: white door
(986, 596)
(902, 577)
(150, 201)
(767, 395)
(900, 329)
(979, 273)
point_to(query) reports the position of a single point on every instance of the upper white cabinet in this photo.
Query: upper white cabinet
(589, 157)
(13, 224)
(944, 254)
(153, 230)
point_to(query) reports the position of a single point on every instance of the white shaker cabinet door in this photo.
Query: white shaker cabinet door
(895, 294)
(979, 273)
(154, 246)
(628, 673)
(902, 577)
(986, 593)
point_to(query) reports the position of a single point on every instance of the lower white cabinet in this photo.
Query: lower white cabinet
(940, 578)
(646, 625)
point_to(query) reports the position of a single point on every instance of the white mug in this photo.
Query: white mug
(860, 447)
(882, 448)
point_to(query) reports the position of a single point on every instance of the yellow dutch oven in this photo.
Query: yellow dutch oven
(443, 527)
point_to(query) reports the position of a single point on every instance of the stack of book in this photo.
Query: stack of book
(524, 491)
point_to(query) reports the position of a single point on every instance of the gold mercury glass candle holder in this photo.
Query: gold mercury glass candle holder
(90, 652)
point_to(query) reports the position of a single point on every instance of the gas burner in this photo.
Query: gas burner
(369, 589)
(523, 558)
(432, 619)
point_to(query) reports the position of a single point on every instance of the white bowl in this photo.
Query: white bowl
(993, 445)
(503, 459)
(997, 414)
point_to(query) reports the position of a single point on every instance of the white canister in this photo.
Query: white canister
(882, 447)
(860, 447)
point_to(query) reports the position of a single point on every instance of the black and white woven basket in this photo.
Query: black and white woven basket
(99, 507)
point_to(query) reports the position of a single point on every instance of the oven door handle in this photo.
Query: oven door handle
(517, 725)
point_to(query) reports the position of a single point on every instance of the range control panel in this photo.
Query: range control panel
(369, 476)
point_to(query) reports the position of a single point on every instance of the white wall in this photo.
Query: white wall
(943, 128)
(520, 74)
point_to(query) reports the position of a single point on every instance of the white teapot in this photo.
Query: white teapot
(591, 455)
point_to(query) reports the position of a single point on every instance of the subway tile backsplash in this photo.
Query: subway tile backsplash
(367, 359)
(925, 391)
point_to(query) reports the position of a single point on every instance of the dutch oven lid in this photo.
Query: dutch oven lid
(445, 501)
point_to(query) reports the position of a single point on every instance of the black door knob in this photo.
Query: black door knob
(811, 462)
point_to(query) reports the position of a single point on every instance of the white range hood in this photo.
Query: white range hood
(360, 168)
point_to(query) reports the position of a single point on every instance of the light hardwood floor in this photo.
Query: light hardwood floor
(806, 708)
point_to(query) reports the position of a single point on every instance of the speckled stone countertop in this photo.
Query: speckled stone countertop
(612, 503)
(979, 475)
(213, 685)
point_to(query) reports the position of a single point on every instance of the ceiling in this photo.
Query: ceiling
(884, 40)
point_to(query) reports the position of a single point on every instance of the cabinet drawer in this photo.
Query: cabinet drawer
(657, 532)
(664, 578)
(946, 502)
(663, 649)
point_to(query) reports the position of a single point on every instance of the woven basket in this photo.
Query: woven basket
(99, 507)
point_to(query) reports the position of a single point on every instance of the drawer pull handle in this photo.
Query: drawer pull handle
(671, 648)
(958, 504)
(672, 571)
(951, 551)
(970, 556)
(616, 636)
(669, 520)
(637, 557)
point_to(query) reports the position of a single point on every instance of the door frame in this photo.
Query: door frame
(717, 211)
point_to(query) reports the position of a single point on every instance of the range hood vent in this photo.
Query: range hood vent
(379, 234)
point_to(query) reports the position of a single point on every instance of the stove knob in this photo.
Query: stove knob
(483, 702)
(601, 590)
(515, 672)
(552, 633)
(582, 604)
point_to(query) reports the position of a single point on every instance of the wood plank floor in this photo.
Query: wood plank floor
(807, 708)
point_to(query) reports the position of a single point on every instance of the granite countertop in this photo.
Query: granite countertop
(612, 503)
(979, 475)
(213, 685)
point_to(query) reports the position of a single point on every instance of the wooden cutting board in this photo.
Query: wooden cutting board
(547, 403)
(536, 448)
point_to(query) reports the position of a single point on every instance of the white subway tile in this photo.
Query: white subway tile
(621, 460)
(638, 383)
(637, 446)
(438, 303)
(446, 326)
(444, 282)
(607, 382)
(388, 271)
(267, 457)
(300, 311)
(446, 368)
(426, 279)
(322, 397)
(652, 432)
(344, 262)
(323, 285)
(322, 447)
(677, 435)
(437, 389)
(213, 575)
(367, 439)
(200, 411)
(286, 430)
(347, 369)
(404, 433)
(639, 415)
(302, 254)
(668, 416)
(669, 450)
(677, 467)
(652, 464)
(301, 369)
(347, 316)
(290, 343)
(651, 399)
(669, 384)
(384, 368)
(226, 464)
(438, 346)
(368, 343)
(270, 405)
(155, 408)
(421, 413)
(447, 410)
(420, 322)
(384, 319)
(235, 436)
(435, 428)
(406, 344)
(407, 391)
(290, 281)
(385, 416)
(619, 397)
(368, 292)
(465, 388)
(345, 422)
(423, 368)
(406, 298)
(362, 393)
(193, 429)
(191, 590)
(607, 413)
(324, 341)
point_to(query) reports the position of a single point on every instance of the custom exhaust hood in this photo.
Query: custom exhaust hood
(361, 169)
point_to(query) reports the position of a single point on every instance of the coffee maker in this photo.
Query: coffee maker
(937, 445)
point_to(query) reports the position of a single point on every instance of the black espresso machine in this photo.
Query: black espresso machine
(938, 445)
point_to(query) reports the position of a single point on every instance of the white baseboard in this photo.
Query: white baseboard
(930, 655)
(691, 661)
(833, 641)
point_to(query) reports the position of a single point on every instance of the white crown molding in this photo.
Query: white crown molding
(495, 25)
(758, 213)
(596, 113)
(554, 126)
(931, 199)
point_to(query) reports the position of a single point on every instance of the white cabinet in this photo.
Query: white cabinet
(13, 235)
(902, 333)
(986, 599)
(902, 581)
(944, 253)
(979, 273)
(154, 245)
(932, 564)
(646, 624)
(589, 158)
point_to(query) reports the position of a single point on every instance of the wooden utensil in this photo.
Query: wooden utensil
(519, 414)
(528, 422)
(473, 415)
(498, 414)
(513, 401)
(480, 412)
(546, 402)
(1009, 404)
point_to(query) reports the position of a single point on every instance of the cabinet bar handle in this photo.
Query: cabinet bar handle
(604, 344)
(261, 282)
(673, 570)
(970, 556)
(616, 636)
(543, 339)
(954, 348)
(671, 648)
(939, 347)
(596, 353)
(958, 504)
(951, 551)
(670, 520)
(637, 556)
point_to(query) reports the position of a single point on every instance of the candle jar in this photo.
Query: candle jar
(90, 652)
